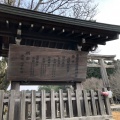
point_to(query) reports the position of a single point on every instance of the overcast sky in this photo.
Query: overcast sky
(109, 12)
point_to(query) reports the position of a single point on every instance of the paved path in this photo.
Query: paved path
(115, 106)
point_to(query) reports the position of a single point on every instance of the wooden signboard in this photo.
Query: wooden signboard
(28, 63)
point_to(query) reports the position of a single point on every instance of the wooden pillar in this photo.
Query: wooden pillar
(79, 86)
(15, 86)
(104, 74)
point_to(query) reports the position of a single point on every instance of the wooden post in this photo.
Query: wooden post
(70, 103)
(101, 104)
(1, 103)
(61, 104)
(43, 104)
(87, 111)
(52, 104)
(33, 105)
(79, 86)
(104, 74)
(11, 113)
(22, 105)
(15, 86)
(93, 103)
(107, 104)
(78, 104)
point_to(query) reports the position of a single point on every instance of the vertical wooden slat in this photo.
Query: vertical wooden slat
(98, 107)
(11, 105)
(43, 104)
(17, 110)
(16, 86)
(1, 103)
(26, 110)
(52, 104)
(93, 103)
(39, 108)
(86, 103)
(78, 103)
(101, 105)
(33, 105)
(56, 109)
(61, 104)
(107, 104)
(22, 105)
(48, 109)
(70, 103)
(67, 109)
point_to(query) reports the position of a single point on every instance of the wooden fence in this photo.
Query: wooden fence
(39, 105)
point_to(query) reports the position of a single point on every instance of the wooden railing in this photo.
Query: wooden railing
(39, 105)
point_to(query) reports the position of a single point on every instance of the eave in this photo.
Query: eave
(46, 30)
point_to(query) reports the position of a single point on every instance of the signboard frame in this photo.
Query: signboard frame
(29, 63)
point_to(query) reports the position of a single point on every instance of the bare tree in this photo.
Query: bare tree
(82, 9)
(115, 81)
(90, 83)
(93, 83)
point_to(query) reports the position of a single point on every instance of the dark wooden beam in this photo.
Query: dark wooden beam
(20, 25)
(43, 36)
(94, 42)
(4, 53)
(112, 37)
(61, 32)
(88, 36)
(41, 29)
(10, 32)
(5, 43)
(31, 27)
(1, 42)
(93, 37)
(96, 38)
(7, 23)
(52, 30)
(80, 35)
(70, 33)
(46, 83)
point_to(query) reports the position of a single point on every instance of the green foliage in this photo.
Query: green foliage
(110, 71)
(3, 78)
(93, 72)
